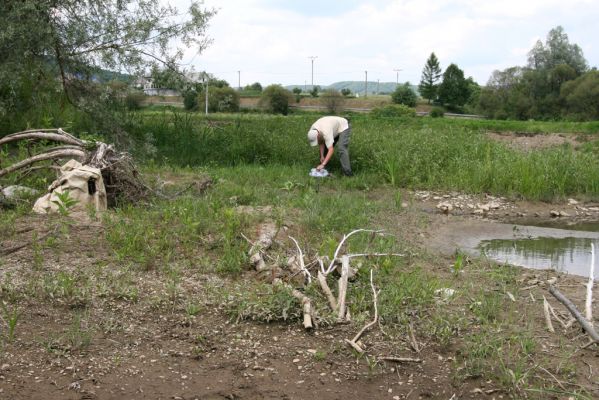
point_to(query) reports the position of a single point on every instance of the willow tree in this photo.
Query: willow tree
(50, 46)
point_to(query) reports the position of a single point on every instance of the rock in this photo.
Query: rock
(554, 213)
(16, 192)
(483, 207)
(572, 202)
(445, 206)
(494, 205)
(445, 293)
(563, 214)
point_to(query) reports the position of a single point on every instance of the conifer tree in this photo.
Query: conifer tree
(430, 76)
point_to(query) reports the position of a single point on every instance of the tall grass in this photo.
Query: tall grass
(418, 152)
(426, 153)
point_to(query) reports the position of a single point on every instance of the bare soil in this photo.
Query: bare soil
(526, 141)
(150, 347)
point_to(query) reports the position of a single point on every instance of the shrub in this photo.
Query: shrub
(332, 100)
(404, 94)
(437, 112)
(393, 111)
(346, 92)
(298, 94)
(190, 100)
(275, 99)
(220, 99)
(134, 100)
(314, 91)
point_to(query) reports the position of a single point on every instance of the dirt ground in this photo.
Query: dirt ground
(142, 349)
(526, 141)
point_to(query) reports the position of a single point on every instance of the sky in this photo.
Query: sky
(272, 41)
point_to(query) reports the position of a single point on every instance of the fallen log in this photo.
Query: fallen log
(586, 325)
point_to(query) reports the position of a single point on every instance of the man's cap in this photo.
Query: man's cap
(313, 137)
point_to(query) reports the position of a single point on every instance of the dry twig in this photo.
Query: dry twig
(354, 342)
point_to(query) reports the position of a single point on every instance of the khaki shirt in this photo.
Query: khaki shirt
(330, 127)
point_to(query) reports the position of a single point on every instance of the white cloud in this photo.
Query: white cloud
(270, 41)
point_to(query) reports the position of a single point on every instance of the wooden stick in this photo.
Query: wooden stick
(547, 315)
(14, 249)
(343, 288)
(589, 302)
(354, 342)
(574, 311)
(56, 135)
(345, 237)
(400, 359)
(322, 279)
(376, 255)
(305, 271)
(64, 153)
(413, 341)
(559, 319)
(304, 300)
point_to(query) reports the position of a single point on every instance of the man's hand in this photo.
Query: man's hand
(319, 167)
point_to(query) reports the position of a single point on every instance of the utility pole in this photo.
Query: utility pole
(366, 84)
(206, 90)
(313, 58)
(397, 76)
(377, 86)
(239, 80)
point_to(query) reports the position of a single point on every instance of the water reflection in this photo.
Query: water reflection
(570, 254)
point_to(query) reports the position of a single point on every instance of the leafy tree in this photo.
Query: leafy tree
(332, 100)
(557, 50)
(581, 97)
(298, 94)
(220, 99)
(507, 95)
(167, 77)
(275, 99)
(254, 87)
(454, 90)
(404, 94)
(70, 40)
(430, 76)
(314, 91)
(346, 92)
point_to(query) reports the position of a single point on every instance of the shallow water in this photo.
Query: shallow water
(552, 244)
(564, 254)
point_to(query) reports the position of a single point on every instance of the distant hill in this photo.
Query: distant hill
(357, 87)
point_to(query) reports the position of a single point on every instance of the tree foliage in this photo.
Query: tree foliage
(581, 97)
(275, 99)
(430, 76)
(404, 94)
(43, 42)
(332, 100)
(220, 99)
(254, 87)
(557, 50)
(455, 89)
(553, 85)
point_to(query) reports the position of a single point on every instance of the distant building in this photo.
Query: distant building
(146, 84)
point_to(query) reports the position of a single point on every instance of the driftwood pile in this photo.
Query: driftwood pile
(121, 178)
(297, 267)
